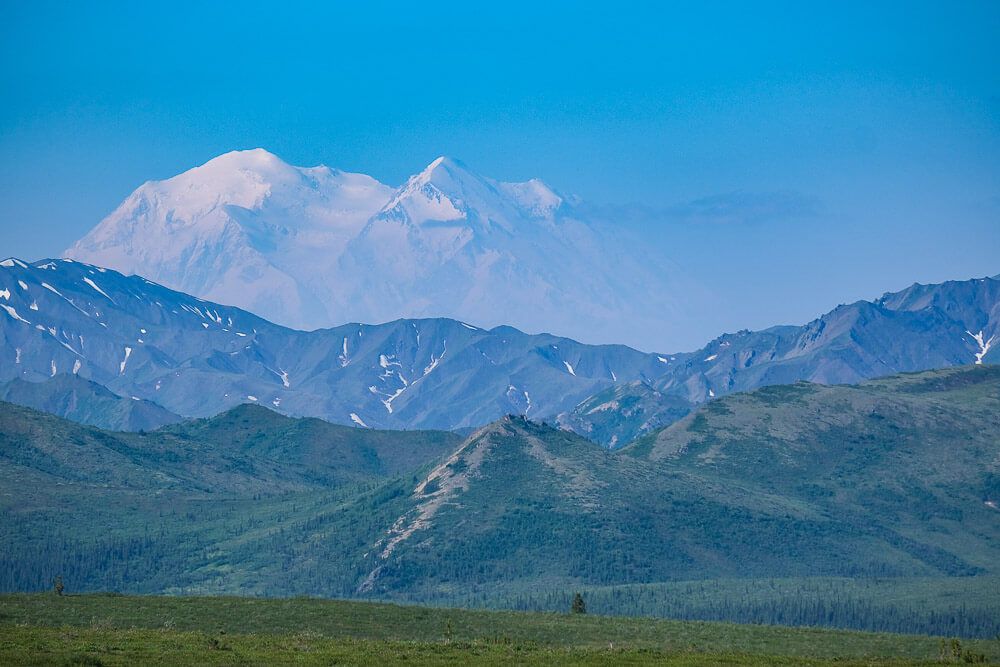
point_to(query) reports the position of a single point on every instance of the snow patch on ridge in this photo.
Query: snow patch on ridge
(344, 359)
(13, 313)
(984, 345)
(121, 366)
(94, 285)
(52, 289)
(435, 360)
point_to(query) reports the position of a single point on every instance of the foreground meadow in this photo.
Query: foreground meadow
(43, 629)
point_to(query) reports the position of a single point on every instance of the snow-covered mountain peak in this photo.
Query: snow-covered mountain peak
(314, 247)
(241, 228)
(254, 179)
(447, 191)
(255, 159)
(443, 169)
(438, 193)
(534, 197)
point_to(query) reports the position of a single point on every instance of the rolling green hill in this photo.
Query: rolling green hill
(894, 479)
(86, 402)
(248, 449)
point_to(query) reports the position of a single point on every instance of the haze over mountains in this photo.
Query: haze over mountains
(318, 247)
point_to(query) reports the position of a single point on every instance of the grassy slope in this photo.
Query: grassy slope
(887, 479)
(247, 450)
(316, 444)
(244, 501)
(86, 402)
(544, 511)
(912, 459)
(226, 630)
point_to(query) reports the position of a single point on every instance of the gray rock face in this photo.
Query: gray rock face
(619, 414)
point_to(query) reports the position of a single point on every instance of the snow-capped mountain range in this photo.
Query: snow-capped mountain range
(197, 358)
(317, 247)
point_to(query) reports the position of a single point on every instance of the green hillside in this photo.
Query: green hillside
(215, 505)
(893, 480)
(910, 460)
(888, 479)
(78, 399)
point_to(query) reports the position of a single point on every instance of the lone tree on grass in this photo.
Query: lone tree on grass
(579, 606)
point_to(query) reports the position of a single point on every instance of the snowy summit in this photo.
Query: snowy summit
(316, 247)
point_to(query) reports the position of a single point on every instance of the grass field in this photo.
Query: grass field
(112, 629)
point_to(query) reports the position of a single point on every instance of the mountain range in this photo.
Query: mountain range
(317, 247)
(195, 358)
(921, 327)
(275, 380)
(896, 477)
(875, 479)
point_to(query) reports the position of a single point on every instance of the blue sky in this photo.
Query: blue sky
(789, 157)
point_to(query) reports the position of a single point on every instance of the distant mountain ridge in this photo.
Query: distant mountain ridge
(921, 327)
(86, 402)
(197, 359)
(317, 247)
